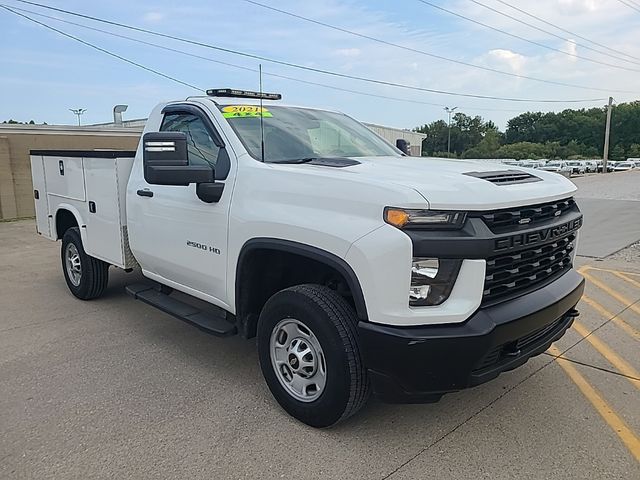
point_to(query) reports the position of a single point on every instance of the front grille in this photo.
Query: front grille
(513, 274)
(528, 216)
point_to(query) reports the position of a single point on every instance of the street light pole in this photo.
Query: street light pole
(607, 131)
(78, 112)
(449, 111)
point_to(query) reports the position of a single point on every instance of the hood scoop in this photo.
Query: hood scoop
(505, 177)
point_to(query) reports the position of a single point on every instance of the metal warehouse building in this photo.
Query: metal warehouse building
(392, 134)
(16, 189)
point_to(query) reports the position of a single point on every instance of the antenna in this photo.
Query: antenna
(261, 115)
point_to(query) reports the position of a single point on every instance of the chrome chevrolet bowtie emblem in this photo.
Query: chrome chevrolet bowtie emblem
(522, 221)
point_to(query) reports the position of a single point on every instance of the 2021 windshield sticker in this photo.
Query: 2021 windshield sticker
(238, 111)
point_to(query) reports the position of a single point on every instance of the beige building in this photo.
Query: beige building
(392, 134)
(16, 190)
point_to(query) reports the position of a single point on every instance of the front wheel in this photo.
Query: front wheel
(309, 355)
(86, 276)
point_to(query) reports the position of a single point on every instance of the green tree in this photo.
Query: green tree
(523, 150)
(617, 153)
(634, 150)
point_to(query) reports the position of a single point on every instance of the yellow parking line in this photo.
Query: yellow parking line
(631, 441)
(605, 288)
(589, 267)
(628, 329)
(627, 279)
(612, 357)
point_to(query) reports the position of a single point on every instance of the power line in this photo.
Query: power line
(533, 42)
(422, 52)
(565, 30)
(630, 4)
(312, 69)
(506, 15)
(249, 69)
(100, 49)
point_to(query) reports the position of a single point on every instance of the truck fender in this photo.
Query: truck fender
(74, 211)
(314, 253)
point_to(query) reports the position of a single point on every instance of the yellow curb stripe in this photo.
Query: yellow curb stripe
(628, 329)
(630, 440)
(627, 279)
(589, 267)
(612, 357)
(605, 288)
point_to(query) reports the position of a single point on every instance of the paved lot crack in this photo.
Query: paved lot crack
(609, 320)
(465, 421)
(478, 412)
(584, 364)
(56, 319)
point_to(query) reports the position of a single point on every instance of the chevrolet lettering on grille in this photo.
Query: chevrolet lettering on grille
(538, 236)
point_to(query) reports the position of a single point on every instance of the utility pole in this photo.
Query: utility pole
(78, 112)
(607, 130)
(449, 111)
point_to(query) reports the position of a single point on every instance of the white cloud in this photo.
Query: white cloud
(513, 60)
(348, 52)
(572, 48)
(153, 17)
(578, 6)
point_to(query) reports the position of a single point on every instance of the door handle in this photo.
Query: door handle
(145, 193)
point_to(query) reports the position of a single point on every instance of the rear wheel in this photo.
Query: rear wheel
(86, 276)
(309, 355)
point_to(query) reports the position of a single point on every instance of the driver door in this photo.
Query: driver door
(188, 237)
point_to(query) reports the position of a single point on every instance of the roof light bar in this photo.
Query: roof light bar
(230, 92)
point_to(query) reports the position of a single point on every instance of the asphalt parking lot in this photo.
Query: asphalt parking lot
(115, 389)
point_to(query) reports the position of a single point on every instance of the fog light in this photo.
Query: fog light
(432, 280)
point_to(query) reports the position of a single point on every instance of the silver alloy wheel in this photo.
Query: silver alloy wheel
(298, 360)
(73, 265)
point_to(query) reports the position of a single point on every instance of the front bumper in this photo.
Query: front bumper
(420, 364)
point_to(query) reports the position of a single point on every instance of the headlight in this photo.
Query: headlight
(429, 219)
(432, 280)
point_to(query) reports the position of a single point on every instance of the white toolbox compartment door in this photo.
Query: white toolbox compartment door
(43, 222)
(65, 177)
(104, 227)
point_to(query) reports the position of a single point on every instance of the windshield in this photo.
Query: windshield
(554, 164)
(299, 133)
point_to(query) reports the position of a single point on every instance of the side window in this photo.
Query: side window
(202, 149)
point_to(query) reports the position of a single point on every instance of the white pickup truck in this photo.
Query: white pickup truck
(359, 269)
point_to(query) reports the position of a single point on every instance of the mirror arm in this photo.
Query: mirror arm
(210, 192)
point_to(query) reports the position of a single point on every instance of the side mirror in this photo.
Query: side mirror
(403, 146)
(166, 160)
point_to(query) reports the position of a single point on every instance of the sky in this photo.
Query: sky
(43, 74)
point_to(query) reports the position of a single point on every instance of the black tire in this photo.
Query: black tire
(94, 272)
(333, 322)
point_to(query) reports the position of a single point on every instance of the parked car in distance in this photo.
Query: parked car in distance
(623, 166)
(576, 167)
(532, 163)
(557, 166)
(635, 161)
(590, 166)
(609, 166)
(513, 163)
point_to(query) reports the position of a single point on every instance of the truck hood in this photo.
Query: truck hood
(446, 184)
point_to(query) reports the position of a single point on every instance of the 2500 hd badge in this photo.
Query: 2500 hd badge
(204, 247)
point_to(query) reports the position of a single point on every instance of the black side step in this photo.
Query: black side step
(208, 322)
